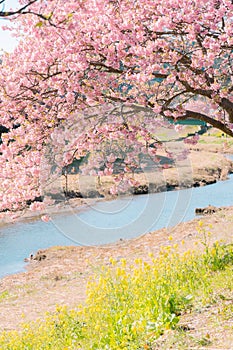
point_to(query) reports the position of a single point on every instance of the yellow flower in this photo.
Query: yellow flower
(97, 327)
(123, 262)
(112, 261)
(138, 261)
(200, 223)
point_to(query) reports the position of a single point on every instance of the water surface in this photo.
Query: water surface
(107, 222)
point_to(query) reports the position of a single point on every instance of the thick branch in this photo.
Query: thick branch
(195, 91)
(19, 11)
(215, 123)
(160, 75)
(227, 105)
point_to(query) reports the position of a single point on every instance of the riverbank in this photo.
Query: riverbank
(202, 167)
(60, 278)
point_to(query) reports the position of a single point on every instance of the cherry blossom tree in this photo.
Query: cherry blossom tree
(118, 70)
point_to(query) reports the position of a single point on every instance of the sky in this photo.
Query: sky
(7, 43)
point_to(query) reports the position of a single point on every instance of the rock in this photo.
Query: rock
(39, 256)
(141, 189)
(207, 210)
(72, 194)
(92, 194)
(224, 173)
(30, 258)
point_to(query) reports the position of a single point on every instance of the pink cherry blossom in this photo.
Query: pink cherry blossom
(45, 218)
(96, 79)
(37, 206)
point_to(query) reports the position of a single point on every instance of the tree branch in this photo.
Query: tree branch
(205, 118)
(227, 105)
(106, 68)
(19, 11)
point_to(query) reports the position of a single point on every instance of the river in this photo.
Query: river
(107, 222)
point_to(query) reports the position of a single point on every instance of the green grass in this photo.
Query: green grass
(216, 141)
(129, 306)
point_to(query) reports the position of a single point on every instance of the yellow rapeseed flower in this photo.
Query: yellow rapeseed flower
(112, 261)
(200, 223)
(123, 262)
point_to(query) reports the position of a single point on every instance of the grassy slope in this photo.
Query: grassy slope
(145, 305)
